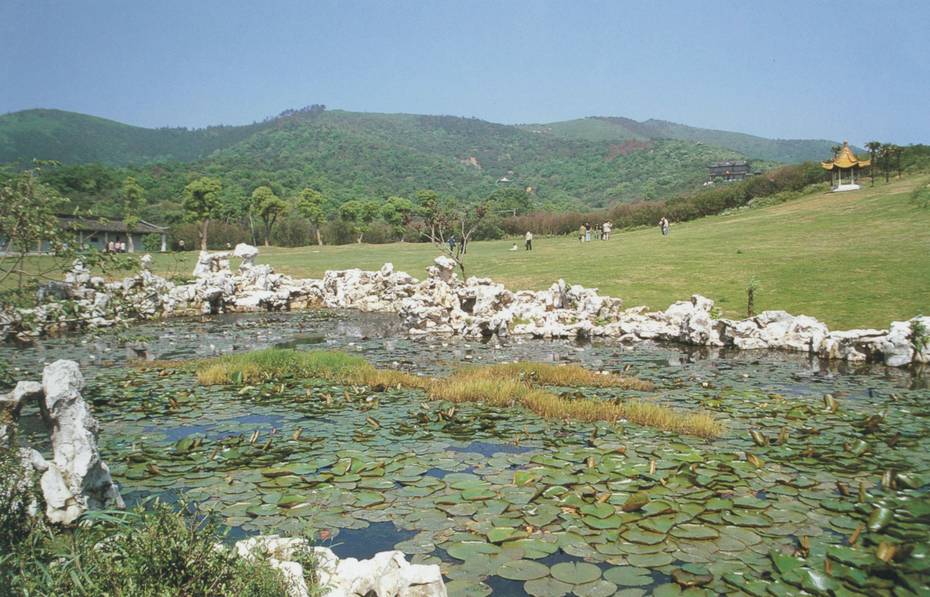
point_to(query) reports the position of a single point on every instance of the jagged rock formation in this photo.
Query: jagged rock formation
(386, 574)
(445, 304)
(76, 479)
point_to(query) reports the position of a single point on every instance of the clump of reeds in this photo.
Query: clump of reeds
(277, 363)
(562, 375)
(505, 385)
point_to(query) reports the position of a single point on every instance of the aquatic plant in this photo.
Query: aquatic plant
(488, 386)
(277, 363)
(561, 375)
(502, 385)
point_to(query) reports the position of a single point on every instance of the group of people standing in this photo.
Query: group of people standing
(116, 246)
(600, 232)
(586, 233)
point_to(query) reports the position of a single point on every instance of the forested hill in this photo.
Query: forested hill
(616, 129)
(352, 155)
(72, 138)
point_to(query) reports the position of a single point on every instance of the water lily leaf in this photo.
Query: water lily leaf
(478, 493)
(463, 587)
(879, 519)
(575, 573)
(817, 582)
(598, 588)
(465, 550)
(628, 576)
(542, 515)
(522, 570)
(611, 522)
(659, 524)
(500, 534)
(533, 549)
(784, 563)
(746, 520)
(546, 587)
(650, 560)
(635, 502)
(694, 531)
(687, 578)
(645, 537)
(598, 510)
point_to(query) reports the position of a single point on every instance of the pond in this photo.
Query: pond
(819, 481)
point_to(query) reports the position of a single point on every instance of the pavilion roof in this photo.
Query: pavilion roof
(845, 159)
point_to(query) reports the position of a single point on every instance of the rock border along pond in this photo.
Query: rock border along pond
(445, 304)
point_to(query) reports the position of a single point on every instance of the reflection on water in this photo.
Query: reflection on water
(364, 543)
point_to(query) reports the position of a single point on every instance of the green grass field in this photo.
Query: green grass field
(857, 259)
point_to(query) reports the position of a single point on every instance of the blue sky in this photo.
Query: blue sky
(789, 69)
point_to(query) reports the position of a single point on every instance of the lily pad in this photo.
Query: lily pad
(575, 573)
(522, 570)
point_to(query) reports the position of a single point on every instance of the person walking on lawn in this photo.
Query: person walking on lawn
(528, 240)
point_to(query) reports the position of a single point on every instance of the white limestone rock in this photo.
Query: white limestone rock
(853, 345)
(12, 403)
(77, 478)
(386, 574)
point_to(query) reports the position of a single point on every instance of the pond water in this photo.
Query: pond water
(506, 501)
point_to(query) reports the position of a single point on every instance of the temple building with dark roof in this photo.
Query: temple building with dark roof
(97, 232)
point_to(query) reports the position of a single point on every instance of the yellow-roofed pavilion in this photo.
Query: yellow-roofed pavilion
(844, 169)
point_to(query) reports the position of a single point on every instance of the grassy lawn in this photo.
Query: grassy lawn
(857, 259)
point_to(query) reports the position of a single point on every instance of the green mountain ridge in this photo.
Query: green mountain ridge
(579, 164)
(71, 137)
(619, 129)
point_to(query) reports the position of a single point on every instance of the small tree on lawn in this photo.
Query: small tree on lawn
(268, 207)
(131, 197)
(443, 220)
(310, 206)
(28, 221)
(873, 147)
(397, 211)
(360, 215)
(202, 202)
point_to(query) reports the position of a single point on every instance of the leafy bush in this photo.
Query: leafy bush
(154, 551)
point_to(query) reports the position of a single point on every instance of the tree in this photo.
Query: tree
(29, 223)
(445, 220)
(310, 206)
(201, 202)
(397, 211)
(26, 220)
(873, 147)
(514, 201)
(360, 214)
(131, 197)
(885, 152)
(836, 150)
(268, 207)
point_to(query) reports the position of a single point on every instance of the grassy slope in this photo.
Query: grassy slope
(850, 259)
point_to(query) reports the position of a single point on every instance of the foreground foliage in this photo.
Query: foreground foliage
(155, 551)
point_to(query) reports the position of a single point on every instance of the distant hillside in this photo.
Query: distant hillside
(78, 138)
(576, 164)
(348, 154)
(609, 128)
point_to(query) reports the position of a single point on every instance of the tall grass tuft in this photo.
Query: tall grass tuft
(504, 392)
(561, 375)
(277, 363)
(504, 385)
